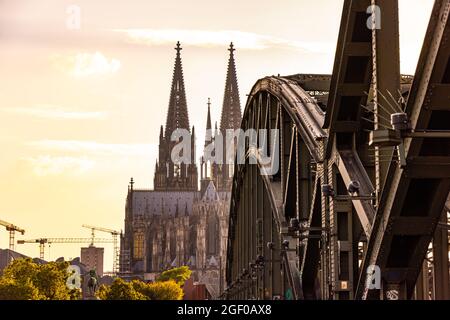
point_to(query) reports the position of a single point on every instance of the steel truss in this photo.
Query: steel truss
(356, 186)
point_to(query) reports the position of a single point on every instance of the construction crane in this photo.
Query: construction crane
(43, 241)
(12, 230)
(114, 234)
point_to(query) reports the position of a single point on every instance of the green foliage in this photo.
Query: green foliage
(120, 290)
(21, 270)
(51, 281)
(25, 280)
(75, 294)
(11, 290)
(139, 290)
(160, 290)
(167, 287)
(103, 292)
(179, 275)
(166, 290)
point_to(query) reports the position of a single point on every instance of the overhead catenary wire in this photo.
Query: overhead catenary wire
(380, 124)
(396, 102)
(387, 101)
(378, 115)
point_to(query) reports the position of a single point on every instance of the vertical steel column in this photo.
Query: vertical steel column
(333, 241)
(277, 277)
(256, 220)
(386, 88)
(440, 259)
(341, 212)
(304, 176)
(243, 201)
(251, 239)
(243, 233)
(325, 246)
(264, 209)
(386, 76)
(423, 283)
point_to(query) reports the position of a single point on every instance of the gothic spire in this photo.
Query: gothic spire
(208, 119)
(208, 133)
(177, 114)
(231, 109)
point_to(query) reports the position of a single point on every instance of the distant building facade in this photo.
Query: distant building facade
(179, 223)
(92, 258)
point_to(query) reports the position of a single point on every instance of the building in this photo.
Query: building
(177, 223)
(7, 256)
(92, 258)
(195, 291)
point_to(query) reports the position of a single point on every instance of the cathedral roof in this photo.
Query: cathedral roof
(210, 193)
(192, 261)
(213, 262)
(149, 202)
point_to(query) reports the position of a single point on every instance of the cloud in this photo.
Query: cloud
(201, 38)
(48, 165)
(95, 148)
(54, 112)
(73, 157)
(86, 64)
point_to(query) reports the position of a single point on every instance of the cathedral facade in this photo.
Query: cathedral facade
(179, 223)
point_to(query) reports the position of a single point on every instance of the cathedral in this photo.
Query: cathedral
(184, 222)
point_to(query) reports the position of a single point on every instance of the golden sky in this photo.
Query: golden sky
(80, 108)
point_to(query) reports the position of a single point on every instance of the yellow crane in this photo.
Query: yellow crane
(12, 230)
(43, 241)
(114, 234)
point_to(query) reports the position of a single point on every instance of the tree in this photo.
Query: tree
(168, 286)
(25, 280)
(160, 290)
(51, 281)
(120, 290)
(179, 275)
(139, 290)
(11, 290)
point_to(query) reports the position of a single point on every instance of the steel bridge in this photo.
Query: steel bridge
(357, 209)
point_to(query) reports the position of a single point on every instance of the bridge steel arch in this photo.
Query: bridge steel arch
(261, 200)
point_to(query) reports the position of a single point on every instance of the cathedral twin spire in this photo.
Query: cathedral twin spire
(178, 118)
